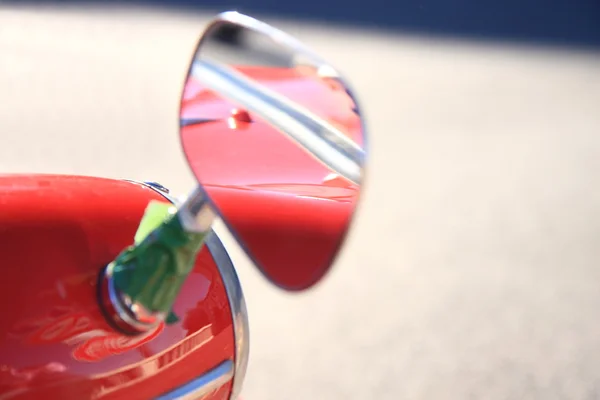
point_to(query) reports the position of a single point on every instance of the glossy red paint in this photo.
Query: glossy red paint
(289, 210)
(56, 234)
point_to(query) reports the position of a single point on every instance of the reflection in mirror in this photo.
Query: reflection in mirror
(274, 136)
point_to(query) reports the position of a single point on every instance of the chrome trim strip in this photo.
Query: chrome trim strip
(203, 385)
(239, 312)
(235, 296)
(157, 187)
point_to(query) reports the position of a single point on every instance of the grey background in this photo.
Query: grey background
(472, 270)
(565, 22)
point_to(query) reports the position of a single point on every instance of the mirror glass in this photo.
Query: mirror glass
(274, 136)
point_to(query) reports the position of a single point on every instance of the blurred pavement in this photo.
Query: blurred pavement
(472, 271)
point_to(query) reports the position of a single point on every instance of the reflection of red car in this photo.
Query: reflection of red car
(294, 198)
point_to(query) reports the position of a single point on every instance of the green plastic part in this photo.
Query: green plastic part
(156, 213)
(152, 271)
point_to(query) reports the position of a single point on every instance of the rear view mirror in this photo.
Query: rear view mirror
(274, 136)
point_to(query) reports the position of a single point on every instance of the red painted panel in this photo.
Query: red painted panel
(56, 234)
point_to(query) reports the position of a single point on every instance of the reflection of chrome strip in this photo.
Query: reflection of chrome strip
(204, 384)
(235, 296)
(195, 121)
(325, 142)
(166, 357)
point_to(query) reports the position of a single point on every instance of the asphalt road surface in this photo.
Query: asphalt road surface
(473, 271)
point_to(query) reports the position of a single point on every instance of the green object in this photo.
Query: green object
(156, 213)
(152, 271)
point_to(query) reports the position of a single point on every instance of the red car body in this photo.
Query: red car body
(56, 234)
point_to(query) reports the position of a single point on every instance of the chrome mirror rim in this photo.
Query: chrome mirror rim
(325, 70)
